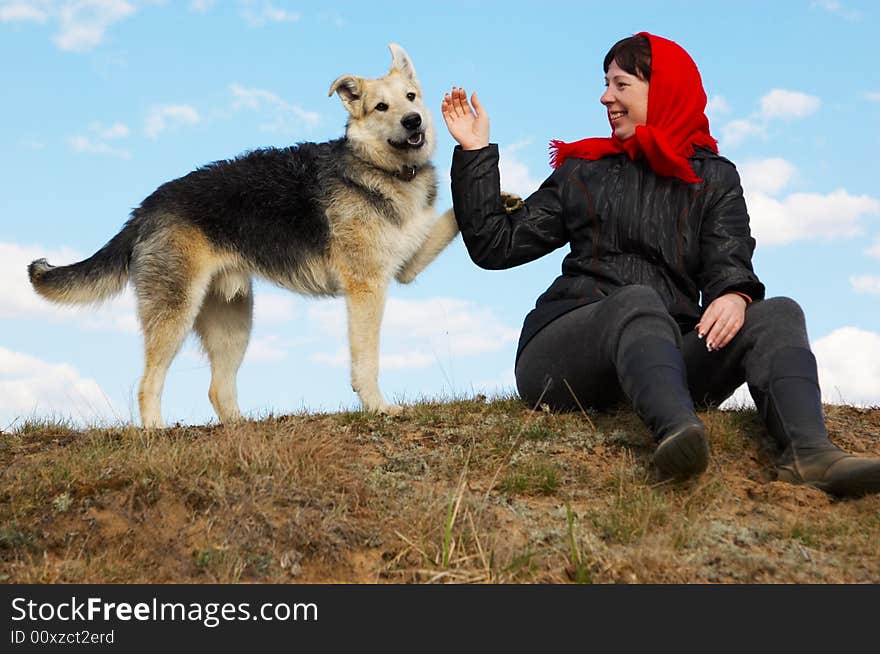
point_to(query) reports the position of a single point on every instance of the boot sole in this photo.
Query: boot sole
(684, 453)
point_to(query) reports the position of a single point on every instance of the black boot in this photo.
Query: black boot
(652, 373)
(792, 410)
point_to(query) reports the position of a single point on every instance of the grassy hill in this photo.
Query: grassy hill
(463, 491)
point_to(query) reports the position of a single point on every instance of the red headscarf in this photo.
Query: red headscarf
(676, 121)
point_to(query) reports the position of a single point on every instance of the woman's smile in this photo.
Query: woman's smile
(626, 100)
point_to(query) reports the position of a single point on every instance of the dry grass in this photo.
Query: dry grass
(463, 491)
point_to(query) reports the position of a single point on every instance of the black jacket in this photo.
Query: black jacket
(625, 225)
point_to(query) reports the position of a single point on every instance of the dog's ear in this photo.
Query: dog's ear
(350, 89)
(401, 61)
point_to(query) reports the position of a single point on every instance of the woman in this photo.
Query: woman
(656, 221)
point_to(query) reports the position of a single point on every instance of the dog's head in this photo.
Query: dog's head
(388, 122)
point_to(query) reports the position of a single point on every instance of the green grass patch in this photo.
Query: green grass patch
(532, 477)
(13, 537)
(635, 508)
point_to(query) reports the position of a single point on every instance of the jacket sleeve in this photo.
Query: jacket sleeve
(495, 239)
(726, 244)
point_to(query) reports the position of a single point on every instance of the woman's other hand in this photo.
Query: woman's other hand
(469, 126)
(722, 320)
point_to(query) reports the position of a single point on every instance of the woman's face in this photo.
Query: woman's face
(626, 100)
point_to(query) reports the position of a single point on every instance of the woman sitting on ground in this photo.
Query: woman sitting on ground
(656, 220)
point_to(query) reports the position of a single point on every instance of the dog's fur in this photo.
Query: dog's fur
(327, 219)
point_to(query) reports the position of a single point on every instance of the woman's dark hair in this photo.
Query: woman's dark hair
(632, 54)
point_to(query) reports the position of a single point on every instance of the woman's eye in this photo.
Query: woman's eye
(381, 107)
(410, 96)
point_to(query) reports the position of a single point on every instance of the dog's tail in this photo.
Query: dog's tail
(97, 278)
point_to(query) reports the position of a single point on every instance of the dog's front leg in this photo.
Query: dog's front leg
(444, 230)
(366, 303)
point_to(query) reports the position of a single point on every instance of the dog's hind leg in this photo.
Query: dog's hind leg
(366, 303)
(443, 231)
(224, 327)
(165, 328)
(171, 273)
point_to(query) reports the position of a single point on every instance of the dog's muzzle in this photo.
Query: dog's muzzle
(412, 122)
(412, 142)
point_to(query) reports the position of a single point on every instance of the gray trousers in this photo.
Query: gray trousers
(579, 353)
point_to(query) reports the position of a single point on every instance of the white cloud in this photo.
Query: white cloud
(834, 7)
(865, 284)
(503, 382)
(808, 216)
(252, 98)
(780, 103)
(465, 327)
(35, 12)
(19, 300)
(515, 175)
(272, 308)
(873, 96)
(741, 399)
(418, 333)
(285, 116)
(848, 361)
(849, 366)
(737, 131)
(266, 349)
(403, 360)
(96, 142)
(162, 118)
(874, 250)
(395, 361)
(275, 15)
(766, 175)
(31, 387)
(87, 145)
(257, 13)
(201, 6)
(799, 216)
(776, 104)
(716, 106)
(338, 359)
(115, 131)
(83, 23)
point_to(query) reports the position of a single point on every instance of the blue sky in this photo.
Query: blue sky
(103, 100)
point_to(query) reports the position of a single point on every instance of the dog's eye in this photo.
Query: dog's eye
(410, 96)
(381, 107)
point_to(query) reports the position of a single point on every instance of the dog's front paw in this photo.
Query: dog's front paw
(406, 275)
(511, 202)
(391, 409)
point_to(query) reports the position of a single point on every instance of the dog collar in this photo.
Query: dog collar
(406, 173)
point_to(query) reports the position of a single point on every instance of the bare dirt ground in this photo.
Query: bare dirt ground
(467, 491)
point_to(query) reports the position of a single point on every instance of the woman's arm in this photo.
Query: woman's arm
(726, 243)
(727, 281)
(494, 238)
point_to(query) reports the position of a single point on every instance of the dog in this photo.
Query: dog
(324, 219)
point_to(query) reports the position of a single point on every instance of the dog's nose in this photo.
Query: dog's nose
(411, 121)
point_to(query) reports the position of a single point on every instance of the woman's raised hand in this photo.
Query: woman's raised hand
(470, 127)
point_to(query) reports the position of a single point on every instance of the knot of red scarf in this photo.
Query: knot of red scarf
(676, 121)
